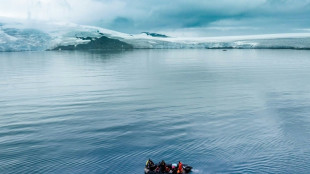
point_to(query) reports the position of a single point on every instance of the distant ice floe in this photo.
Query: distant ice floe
(27, 36)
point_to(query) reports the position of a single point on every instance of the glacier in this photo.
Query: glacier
(31, 36)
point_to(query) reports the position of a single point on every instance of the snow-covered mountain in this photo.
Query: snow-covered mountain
(26, 36)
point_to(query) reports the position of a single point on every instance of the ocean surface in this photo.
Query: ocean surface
(107, 112)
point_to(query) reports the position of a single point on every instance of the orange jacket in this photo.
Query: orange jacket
(180, 168)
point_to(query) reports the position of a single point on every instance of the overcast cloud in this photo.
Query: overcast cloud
(182, 17)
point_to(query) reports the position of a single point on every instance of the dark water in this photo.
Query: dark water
(239, 111)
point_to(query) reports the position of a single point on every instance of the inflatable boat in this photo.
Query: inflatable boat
(169, 169)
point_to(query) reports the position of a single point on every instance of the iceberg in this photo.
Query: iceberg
(14, 39)
(25, 36)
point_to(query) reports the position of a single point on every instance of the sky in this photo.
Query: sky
(172, 17)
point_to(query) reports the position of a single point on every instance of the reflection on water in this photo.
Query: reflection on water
(239, 111)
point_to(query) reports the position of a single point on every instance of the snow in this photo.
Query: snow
(35, 36)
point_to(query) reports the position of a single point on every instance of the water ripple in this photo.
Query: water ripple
(83, 112)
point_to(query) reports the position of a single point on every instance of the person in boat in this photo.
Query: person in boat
(150, 165)
(157, 169)
(162, 166)
(174, 168)
(180, 167)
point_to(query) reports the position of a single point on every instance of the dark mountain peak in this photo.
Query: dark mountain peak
(155, 34)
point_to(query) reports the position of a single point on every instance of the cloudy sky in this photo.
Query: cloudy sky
(174, 17)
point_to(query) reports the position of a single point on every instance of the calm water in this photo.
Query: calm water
(239, 111)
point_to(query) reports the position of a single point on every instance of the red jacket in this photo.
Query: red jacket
(180, 168)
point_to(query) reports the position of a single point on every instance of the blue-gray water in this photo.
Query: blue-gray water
(235, 111)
